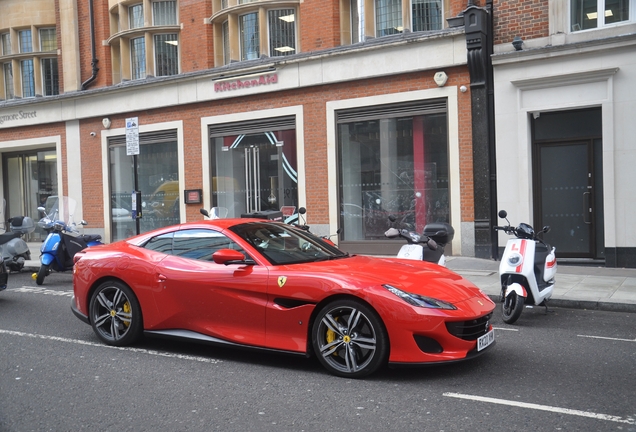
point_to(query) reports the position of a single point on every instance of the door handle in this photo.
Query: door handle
(161, 278)
(587, 210)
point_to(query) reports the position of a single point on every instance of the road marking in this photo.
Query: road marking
(505, 328)
(137, 350)
(579, 413)
(27, 289)
(607, 338)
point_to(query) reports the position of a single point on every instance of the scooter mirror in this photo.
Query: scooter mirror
(204, 212)
(302, 210)
(392, 218)
(546, 229)
(42, 209)
(503, 214)
(432, 244)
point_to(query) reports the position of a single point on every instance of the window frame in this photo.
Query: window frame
(9, 90)
(27, 92)
(254, 32)
(575, 27)
(44, 30)
(137, 60)
(22, 45)
(133, 17)
(174, 12)
(439, 17)
(52, 82)
(284, 37)
(5, 44)
(169, 51)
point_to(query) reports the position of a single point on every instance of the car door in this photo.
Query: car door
(195, 293)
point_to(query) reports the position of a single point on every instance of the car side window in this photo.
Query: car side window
(201, 244)
(162, 243)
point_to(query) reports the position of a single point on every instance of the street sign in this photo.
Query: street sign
(132, 136)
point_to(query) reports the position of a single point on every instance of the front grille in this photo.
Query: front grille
(470, 330)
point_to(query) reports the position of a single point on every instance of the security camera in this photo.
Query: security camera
(93, 134)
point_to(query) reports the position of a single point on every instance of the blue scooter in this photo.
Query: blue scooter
(61, 244)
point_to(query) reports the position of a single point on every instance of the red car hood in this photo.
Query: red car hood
(418, 277)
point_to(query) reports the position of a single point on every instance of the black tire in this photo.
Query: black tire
(511, 308)
(349, 339)
(42, 273)
(115, 314)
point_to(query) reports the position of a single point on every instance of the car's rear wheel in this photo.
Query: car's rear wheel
(115, 314)
(349, 339)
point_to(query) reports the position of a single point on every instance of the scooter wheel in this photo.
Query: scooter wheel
(511, 308)
(42, 273)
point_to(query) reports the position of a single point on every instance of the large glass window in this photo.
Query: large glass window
(253, 167)
(388, 17)
(136, 16)
(138, 58)
(249, 37)
(50, 77)
(426, 14)
(26, 42)
(28, 82)
(166, 54)
(48, 39)
(392, 166)
(226, 43)
(8, 81)
(590, 14)
(5, 43)
(164, 13)
(158, 179)
(282, 32)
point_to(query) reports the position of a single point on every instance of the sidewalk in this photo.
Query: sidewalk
(577, 286)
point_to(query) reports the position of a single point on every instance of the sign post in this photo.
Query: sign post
(132, 149)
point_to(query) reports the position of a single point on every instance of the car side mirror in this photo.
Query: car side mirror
(230, 256)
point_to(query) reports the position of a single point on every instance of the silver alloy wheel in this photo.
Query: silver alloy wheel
(346, 339)
(111, 311)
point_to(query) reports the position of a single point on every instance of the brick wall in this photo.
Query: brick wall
(314, 105)
(197, 47)
(319, 24)
(527, 19)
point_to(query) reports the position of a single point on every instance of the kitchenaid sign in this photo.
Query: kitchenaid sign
(20, 115)
(239, 84)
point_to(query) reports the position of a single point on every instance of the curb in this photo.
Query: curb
(583, 304)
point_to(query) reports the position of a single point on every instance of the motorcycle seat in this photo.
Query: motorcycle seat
(8, 236)
(91, 237)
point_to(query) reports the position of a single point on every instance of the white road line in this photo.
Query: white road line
(505, 328)
(587, 414)
(607, 338)
(27, 289)
(137, 350)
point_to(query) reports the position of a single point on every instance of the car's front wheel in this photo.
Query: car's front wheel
(350, 339)
(115, 314)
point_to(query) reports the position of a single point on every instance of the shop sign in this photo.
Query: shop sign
(20, 115)
(240, 84)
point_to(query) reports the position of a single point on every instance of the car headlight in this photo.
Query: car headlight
(420, 301)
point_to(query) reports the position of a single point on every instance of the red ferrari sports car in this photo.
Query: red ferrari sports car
(268, 285)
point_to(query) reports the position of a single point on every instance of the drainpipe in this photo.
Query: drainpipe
(94, 61)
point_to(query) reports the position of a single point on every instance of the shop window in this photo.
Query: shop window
(136, 16)
(164, 13)
(426, 15)
(50, 77)
(8, 81)
(591, 14)
(166, 54)
(28, 81)
(249, 37)
(5, 43)
(138, 58)
(388, 17)
(48, 39)
(392, 163)
(282, 32)
(26, 43)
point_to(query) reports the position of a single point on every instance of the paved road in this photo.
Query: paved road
(568, 370)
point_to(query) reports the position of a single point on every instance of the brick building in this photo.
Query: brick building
(352, 109)
(565, 100)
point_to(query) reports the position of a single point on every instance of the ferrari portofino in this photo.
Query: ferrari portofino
(267, 285)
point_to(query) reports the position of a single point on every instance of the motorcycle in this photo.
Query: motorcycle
(62, 242)
(14, 249)
(527, 270)
(435, 236)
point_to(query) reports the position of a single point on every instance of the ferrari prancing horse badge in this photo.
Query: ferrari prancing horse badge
(282, 280)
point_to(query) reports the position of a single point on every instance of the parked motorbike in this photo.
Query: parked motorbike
(435, 236)
(62, 242)
(296, 219)
(527, 270)
(15, 250)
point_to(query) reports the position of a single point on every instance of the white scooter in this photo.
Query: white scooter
(527, 269)
(435, 236)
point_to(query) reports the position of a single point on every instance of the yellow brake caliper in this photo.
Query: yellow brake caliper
(331, 336)
(126, 309)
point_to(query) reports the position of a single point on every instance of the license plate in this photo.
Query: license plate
(485, 340)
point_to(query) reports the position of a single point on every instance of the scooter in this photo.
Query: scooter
(527, 270)
(61, 244)
(435, 236)
(14, 249)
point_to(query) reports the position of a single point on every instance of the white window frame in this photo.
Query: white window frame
(600, 23)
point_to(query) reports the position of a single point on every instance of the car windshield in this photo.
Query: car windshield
(285, 244)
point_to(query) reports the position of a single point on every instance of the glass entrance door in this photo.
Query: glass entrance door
(30, 180)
